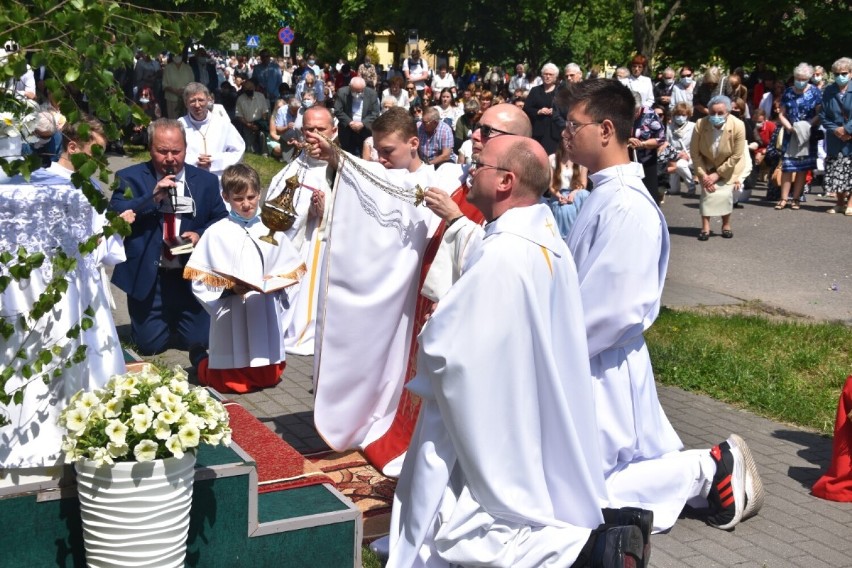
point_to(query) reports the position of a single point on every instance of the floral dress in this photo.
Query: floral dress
(800, 106)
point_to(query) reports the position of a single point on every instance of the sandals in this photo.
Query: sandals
(703, 236)
(780, 205)
(795, 205)
(727, 234)
(848, 211)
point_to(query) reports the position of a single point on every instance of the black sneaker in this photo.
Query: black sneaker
(618, 547)
(727, 496)
(641, 518)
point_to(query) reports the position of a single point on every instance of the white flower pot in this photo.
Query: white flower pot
(136, 514)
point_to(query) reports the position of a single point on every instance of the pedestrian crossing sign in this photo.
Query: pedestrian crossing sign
(253, 41)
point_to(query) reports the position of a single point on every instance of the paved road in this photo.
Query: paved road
(787, 259)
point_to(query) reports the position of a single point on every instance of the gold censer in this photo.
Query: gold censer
(279, 214)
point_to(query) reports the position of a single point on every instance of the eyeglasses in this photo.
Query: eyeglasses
(487, 131)
(476, 165)
(572, 128)
(686, 76)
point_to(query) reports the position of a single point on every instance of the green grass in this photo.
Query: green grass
(787, 371)
(368, 559)
(266, 167)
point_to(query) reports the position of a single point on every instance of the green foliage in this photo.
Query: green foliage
(80, 43)
(787, 371)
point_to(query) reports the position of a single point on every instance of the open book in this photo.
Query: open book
(265, 286)
(179, 245)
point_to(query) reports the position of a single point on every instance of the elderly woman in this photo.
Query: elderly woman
(648, 134)
(799, 116)
(679, 137)
(547, 122)
(718, 150)
(836, 116)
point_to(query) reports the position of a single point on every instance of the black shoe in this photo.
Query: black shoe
(703, 236)
(738, 206)
(727, 496)
(197, 353)
(634, 516)
(618, 547)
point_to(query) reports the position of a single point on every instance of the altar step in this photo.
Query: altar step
(294, 521)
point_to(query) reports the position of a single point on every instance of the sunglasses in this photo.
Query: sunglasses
(488, 131)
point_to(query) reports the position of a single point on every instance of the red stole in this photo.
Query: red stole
(395, 441)
(836, 484)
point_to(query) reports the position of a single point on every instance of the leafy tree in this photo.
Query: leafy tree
(81, 43)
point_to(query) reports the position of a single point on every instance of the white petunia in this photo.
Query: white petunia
(179, 386)
(102, 457)
(113, 407)
(141, 424)
(89, 400)
(117, 431)
(190, 436)
(174, 445)
(118, 450)
(145, 451)
(169, 416)
(75, 421)
(162, 429)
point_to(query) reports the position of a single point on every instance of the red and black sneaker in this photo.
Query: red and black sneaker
(727, 495)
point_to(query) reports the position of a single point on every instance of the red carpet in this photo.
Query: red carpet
(279, 466)
(371, 491)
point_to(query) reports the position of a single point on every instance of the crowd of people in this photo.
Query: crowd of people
(542, 195)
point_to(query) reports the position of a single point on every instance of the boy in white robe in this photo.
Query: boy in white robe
(370, 305)
(504, 468)
(620, 244)
(241, 281)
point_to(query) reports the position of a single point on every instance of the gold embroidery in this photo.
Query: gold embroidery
(547, 258)
(212, 280)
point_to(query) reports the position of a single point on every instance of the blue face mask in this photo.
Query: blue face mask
(841, 80)
(686, 81)
(680, 120)
(800, 85)
(717, 120)
(237, 217)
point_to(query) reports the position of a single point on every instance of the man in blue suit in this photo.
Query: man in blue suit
(160, 302)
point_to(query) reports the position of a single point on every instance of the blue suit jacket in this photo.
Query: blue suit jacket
(137, 275)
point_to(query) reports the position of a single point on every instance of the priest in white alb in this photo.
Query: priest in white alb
(504, 467)
(308, 231)
(212, 142)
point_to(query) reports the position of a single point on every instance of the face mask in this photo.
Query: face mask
(686, 81)
(237, 217)
(357, 96)
(717, 120)
(759, 124)
(177, 59)
(311, 61)
(841, 80)
(144, 100)
(668, 82)
(680, 120)
(800, 84)
(307, 104)
(816, 79)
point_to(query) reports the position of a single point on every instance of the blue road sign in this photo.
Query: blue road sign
(253, 41)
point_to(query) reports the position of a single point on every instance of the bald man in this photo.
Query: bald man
(481, 485)
(356, 107)
(460, 229)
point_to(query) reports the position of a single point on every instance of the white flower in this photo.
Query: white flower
(69, 444)
(201, 395)
(89, 401)
(179, 386)
(118, 450)
(174, 445)
(117, 431)
(146, 450)
(141, 424)
(113, 407)
(190, 436)
(169, 416)
(102, 457)
(162, 429)
(75, 421)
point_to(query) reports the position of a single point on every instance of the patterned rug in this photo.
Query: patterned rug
(371, 491)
